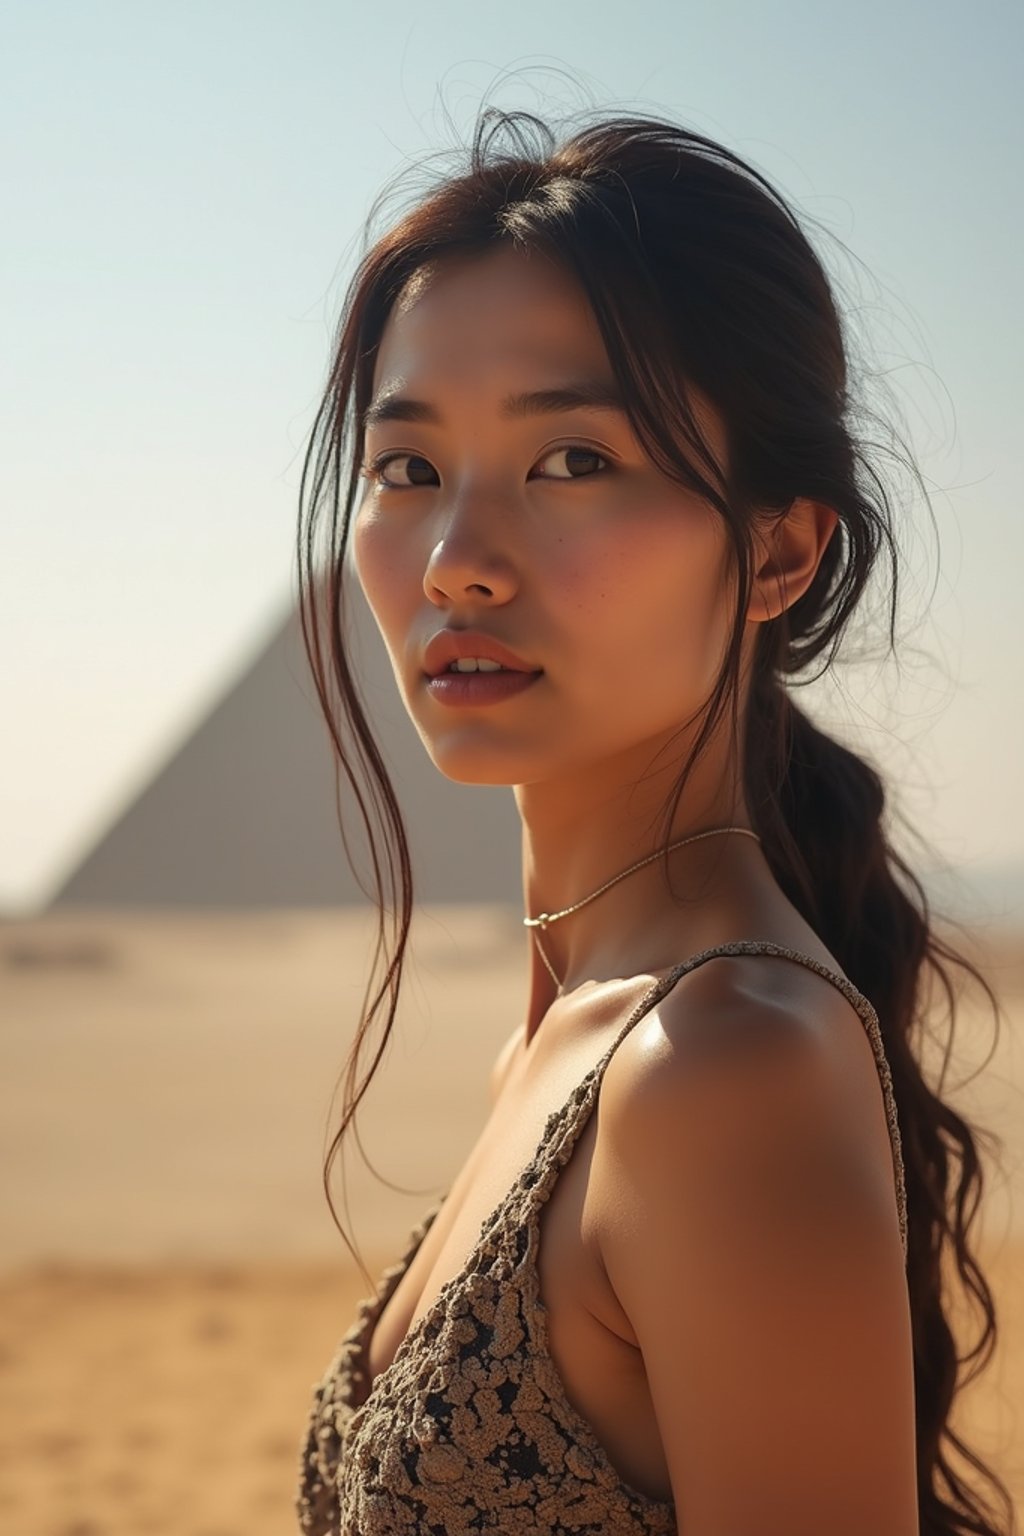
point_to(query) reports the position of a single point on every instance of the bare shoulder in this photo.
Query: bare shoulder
(751, 1239)
(759, 1074)
(499, 1070)
(735, 1065)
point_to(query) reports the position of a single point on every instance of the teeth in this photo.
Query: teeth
(476, 664)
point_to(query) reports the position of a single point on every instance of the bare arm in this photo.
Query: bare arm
(755, 1251)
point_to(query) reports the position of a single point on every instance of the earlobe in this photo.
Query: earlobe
(788, 557)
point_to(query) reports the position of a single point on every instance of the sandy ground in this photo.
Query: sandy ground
(171, 1284)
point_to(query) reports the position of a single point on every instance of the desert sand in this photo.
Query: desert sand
(171, 1282)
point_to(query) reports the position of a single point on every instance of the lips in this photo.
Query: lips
(449, 645)
(460, 690)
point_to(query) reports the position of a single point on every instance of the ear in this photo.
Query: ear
(788, 555)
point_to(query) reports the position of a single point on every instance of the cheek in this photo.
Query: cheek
(660, 585)
(650, 617)
(377, 559)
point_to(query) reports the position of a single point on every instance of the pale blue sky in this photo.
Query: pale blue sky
(184, 192)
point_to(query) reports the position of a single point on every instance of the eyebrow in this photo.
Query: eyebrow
(582, 394)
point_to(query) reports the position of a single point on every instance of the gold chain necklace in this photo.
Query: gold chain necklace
(546, 918)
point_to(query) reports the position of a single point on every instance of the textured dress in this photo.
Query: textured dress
(470, 1427)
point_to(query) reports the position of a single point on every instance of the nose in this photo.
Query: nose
(468, 560)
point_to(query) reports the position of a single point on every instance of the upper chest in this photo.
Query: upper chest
(537, 1084)
(586, 1335)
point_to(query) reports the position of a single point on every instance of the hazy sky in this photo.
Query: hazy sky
(184, 189)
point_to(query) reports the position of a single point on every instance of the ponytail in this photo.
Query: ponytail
(818, 807)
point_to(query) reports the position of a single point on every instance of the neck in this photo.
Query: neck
(577, 837)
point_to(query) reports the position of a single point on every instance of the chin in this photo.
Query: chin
(463, 769)
(465, 763)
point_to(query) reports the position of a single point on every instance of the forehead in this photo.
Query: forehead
(506, 310)
(482, 326)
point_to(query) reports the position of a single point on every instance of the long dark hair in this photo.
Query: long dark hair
(698, 270)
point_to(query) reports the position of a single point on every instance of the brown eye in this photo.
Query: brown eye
(375, 470)
(578, 457)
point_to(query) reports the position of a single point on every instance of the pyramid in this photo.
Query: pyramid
(243, 812)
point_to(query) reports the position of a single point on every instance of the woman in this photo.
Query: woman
(603, 498)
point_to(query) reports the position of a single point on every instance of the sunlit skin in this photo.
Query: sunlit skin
(601, 571)
(721, 1248)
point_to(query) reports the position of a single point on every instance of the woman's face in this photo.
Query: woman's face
(549, 530)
